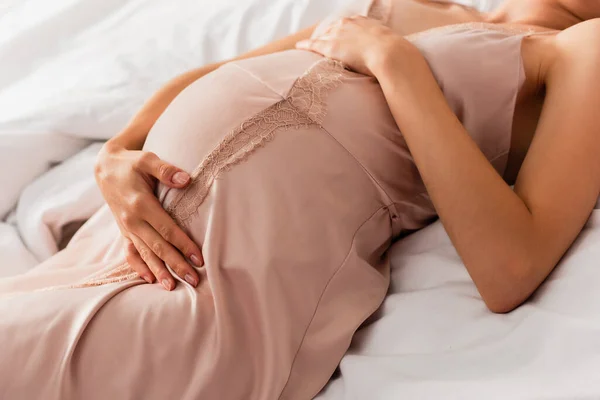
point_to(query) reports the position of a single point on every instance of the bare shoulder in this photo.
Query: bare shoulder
(585, 30)
(571, 54)
(581, 41)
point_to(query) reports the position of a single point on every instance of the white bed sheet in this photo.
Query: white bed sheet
(16, 258)
(75, 70)
(434, 339)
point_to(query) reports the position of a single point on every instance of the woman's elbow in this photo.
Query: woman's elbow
(514, 283)
(502, 306)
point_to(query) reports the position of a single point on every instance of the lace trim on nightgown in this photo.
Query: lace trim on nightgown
(120, 273)
(488, 26)
(123, 272)
(304, 106)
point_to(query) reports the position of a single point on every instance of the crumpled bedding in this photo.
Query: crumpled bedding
(433, 338)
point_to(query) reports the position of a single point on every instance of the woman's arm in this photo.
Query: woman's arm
(127, 178)
(134, 135)
(509, 240)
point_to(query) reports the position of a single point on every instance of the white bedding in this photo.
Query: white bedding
(74, 71)
(434, 338)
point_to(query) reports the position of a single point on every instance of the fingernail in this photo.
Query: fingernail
(180, 178)
(147, 278)
(190, 279)
(166, 284)
(302, 43)
(196, 260)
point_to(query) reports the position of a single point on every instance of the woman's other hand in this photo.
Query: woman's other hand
(365, 45)
(127, 180)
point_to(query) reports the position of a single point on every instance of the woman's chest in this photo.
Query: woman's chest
(493, 79)
(525, 121)
(411, 16)
(536, 50)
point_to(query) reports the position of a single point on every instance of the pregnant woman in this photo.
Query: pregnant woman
(264, 196)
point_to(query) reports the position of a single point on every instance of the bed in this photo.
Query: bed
(72, 73)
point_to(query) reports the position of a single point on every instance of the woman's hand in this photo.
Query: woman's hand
(127, 180)
(366, 46)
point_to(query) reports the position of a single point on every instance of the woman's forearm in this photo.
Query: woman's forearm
(490, 226)
(134, 135)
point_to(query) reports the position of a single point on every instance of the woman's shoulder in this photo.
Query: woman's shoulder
(579, 42)
(575, 50)
(586, 29)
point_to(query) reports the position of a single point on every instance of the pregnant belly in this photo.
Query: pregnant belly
(301, 190)
(224, 117)
(228, 114)
(203, 114)
(292, 232)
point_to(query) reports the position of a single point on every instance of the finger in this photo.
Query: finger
(303, 44)
(315, 45)
(166, 173)
(135, 261)
(167, 253)
(340, 24)
(166, 227)
(155, 264)
(333, 26)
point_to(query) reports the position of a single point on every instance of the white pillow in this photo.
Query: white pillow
(488, 5)
(83, 67)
